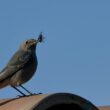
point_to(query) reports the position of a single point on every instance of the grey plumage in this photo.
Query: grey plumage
(22, 65)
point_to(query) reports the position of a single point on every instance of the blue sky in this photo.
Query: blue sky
(76, 54)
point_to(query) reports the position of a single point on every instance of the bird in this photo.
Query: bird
(22, 66)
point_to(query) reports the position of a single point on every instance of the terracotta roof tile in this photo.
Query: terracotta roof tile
(104, 108)
(45, 101)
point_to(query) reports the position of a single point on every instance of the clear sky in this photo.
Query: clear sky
(76, 54)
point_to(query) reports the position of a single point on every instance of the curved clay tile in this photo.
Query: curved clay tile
(56, 101)
(104, 108)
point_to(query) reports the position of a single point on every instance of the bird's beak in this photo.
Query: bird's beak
(35, 42)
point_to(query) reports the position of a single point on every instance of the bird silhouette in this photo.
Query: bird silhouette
(21, 66)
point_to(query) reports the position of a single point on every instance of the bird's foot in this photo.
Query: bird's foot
(19, 96)
(37, 93)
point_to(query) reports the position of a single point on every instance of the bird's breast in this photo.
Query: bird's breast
(28, 71)
(25, 73)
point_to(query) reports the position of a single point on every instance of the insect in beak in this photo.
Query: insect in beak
(40, 38)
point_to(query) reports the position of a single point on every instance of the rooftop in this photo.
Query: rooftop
(49, 102)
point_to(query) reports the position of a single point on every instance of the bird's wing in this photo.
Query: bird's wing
(16, 63)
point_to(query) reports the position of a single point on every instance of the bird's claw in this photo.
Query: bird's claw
(37, 93)
(19, 96)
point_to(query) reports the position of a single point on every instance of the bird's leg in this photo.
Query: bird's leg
(29, 91)
(18, 90)
(26, 90)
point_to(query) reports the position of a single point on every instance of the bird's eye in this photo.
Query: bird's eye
(27, 42)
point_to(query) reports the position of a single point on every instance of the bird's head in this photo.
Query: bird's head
(30, 44)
